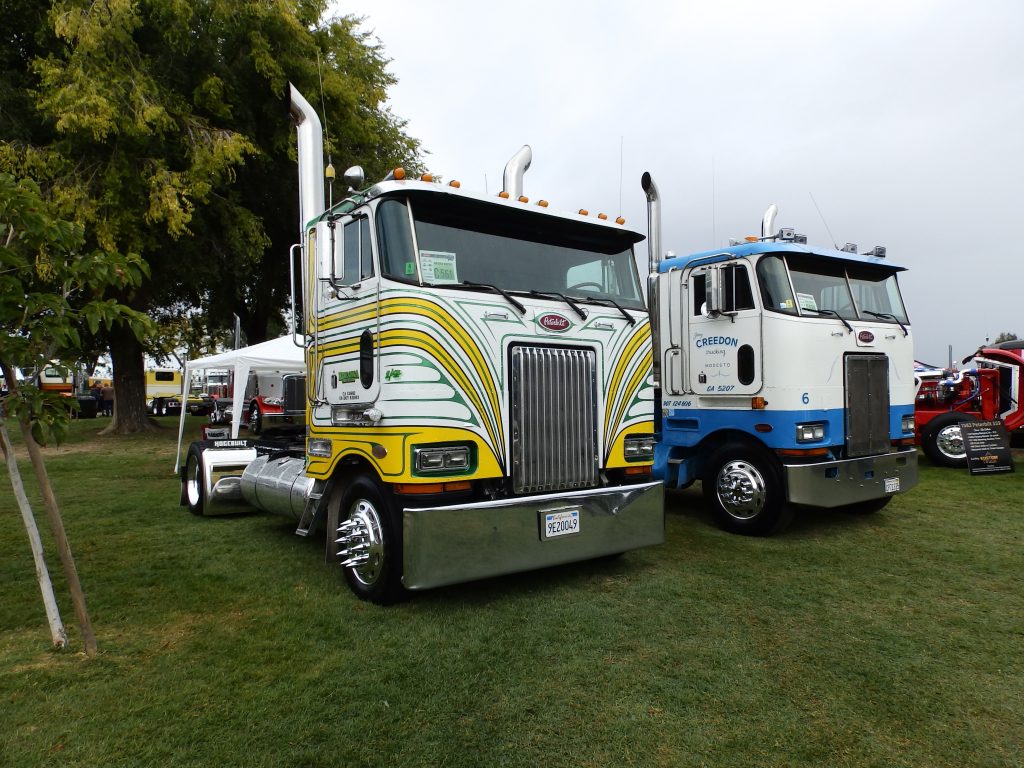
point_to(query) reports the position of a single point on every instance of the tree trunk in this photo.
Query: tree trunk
(127, 358)
(56, 522)
(57, 631)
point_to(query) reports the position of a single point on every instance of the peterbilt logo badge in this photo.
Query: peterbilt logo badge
(554, 322)
(865, 337)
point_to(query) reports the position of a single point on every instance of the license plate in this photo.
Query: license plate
(892, 484)
(563, 522)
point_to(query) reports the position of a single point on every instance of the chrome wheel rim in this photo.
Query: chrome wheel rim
(361, 542)
(950, 442)
(192, 476)
(742, 490)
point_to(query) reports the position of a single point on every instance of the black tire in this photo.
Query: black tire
(743, 486)
(193, 482)
(255, 419)
(369, 520)
(943, 441)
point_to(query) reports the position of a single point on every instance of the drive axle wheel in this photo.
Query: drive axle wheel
(943, 440)
(743, 486)
(255, 419)
(369, 542)
(193, 482)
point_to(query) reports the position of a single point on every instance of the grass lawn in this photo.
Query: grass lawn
(895, 639)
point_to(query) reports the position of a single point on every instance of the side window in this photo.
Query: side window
(700, 293)
(736, 283)
(775, 291)
(365, 251)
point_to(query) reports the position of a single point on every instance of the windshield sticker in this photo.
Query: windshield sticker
(438, 267)
(807, 301)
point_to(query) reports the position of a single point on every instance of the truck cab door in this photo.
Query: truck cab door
(724, 331)
(672, 328)
(349, 318)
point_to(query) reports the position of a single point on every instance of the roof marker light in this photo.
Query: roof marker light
(427, 177)
(399, 174)
(542, 203)
(602, 216)
(454, 183)
(503, 194)
(620, 220)
(751, 239)
(584, 212)
(524, 199)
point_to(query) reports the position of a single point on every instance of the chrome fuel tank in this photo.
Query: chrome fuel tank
(279, 485)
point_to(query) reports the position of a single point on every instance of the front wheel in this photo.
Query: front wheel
(743, 486)
(943, 440)
(369, 541)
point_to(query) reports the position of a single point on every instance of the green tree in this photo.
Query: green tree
(1005, 336)
(49, 288)
(161, 127)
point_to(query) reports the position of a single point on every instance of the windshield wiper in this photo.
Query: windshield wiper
(609, 303)
(891, 317)
(832, 313)
(504, 294)
(579, 311)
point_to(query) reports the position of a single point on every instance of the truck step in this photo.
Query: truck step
(312, 510)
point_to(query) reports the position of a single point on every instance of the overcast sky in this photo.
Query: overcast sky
(902, 121)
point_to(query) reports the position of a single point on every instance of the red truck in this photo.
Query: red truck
(990, 389)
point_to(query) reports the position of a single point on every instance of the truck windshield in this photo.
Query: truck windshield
(813, 286)
(460, 240)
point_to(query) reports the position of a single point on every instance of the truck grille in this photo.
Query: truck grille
(867, 405)
(554, 419)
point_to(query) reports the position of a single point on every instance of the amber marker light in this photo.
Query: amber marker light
(620, 221)
(503, 194)
(802, 452)
(758, 403)
(602, 216)
(750, 239)
(427, 177)
(584, 212)
(399, 174)
(454, 183)
(542, 203)
(524, 199)
(763, 427)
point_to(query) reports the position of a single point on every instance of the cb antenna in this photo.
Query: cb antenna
(830, 235)
(329, 170)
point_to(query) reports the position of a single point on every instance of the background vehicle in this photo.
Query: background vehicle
(785, 376)
(988, 390)
(478, 397)
(163, 391)
(264, 393)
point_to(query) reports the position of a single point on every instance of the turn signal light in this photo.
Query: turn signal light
(758, 403)
(409, 489)
(802, 452)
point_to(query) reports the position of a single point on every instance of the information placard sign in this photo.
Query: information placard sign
(988, 447)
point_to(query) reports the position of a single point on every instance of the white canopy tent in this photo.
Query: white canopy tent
(283, 355)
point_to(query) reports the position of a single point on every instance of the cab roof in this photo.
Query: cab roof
(760, 248)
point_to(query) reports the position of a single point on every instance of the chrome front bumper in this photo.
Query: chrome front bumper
(835, 483)
(464, 542)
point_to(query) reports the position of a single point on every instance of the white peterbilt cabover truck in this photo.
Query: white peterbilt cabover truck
(478, 396)
(785, 375)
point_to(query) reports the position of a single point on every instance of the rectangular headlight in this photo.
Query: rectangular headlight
(907, 424)
(810, 433)
(638, 448)
(441, 460)
(319, 447)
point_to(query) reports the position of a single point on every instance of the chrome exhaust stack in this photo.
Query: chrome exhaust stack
(653, 260)
(311, 159)
(515, 168)
(768, 222)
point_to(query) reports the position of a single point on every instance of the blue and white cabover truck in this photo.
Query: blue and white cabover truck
(786, 376)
